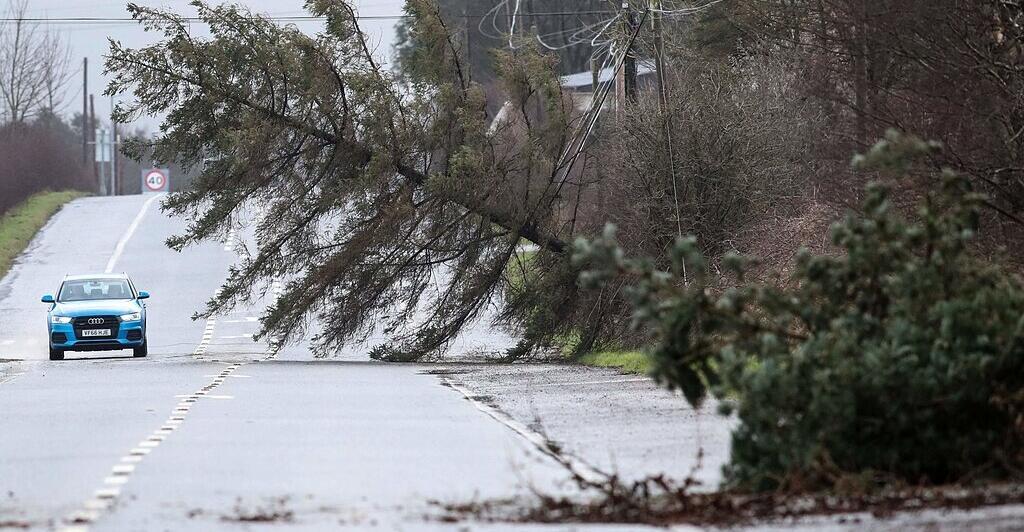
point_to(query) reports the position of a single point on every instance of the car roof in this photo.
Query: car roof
(96, 276)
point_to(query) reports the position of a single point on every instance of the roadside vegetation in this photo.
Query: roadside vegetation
(40, 148)
(20, 224)
(626, 361)
(898, 361)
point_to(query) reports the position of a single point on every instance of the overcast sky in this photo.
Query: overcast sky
(90, 40)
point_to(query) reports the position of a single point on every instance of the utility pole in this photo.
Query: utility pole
(85, 110)
(659, 52)
(469, 44)
(114, 188)
(625, 78)
(92, 128)
(663, 105)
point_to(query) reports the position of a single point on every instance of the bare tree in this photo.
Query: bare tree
(56, 63)
(33, 65)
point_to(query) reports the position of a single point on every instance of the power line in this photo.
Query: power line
(300, 18)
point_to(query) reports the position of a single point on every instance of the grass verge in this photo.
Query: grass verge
(626, 361)
(21, 223)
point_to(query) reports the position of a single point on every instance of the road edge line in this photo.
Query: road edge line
(536, 439)
(119, 249)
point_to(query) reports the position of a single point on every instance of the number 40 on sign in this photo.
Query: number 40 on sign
(156, 180)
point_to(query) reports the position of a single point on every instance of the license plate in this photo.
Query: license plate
(95, 332)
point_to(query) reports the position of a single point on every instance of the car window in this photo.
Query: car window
(93, 289)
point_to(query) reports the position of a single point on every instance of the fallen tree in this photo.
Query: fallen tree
(368, 186)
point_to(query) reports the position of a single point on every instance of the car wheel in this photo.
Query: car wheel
(142, 350)
(56, 354)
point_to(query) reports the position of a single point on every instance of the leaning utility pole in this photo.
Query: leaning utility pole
(625, 78)
(659, 52)
(663, 104)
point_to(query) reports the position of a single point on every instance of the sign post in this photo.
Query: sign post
(102, 158)
(156, 180)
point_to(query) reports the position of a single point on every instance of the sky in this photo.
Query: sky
(90, 40)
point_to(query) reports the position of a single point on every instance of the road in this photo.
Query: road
(216, 432)
(208, 431)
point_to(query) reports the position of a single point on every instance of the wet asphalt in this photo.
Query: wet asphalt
(102, 441)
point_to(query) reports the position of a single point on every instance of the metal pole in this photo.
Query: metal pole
(666, 112)
(92, 131)
(85, 110)
(114, 189)
(629, 67)
(625, 78)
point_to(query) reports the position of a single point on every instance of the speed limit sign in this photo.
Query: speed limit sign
(155, 180)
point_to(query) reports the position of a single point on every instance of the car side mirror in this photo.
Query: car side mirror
(143, 294)
(47, 299)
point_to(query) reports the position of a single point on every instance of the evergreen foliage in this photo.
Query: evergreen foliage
(384, 206)
(899, 359)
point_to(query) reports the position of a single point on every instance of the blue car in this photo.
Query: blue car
(96, 313)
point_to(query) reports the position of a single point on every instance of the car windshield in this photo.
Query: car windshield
(93, 289)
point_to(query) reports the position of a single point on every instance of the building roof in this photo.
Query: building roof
(584, 79)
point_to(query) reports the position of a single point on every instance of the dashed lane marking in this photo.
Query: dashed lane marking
(204, 342)
(247, 319)
(229, 244)
(120, 474)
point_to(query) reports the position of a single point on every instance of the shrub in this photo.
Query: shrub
(900, 359)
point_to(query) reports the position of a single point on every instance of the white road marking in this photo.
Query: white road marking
(96, 504)
(204, 342)
(229, 244)
(247, 319)
(122, 469)
(578, 467)
(108, 493)
(92, 509)
(119, 249)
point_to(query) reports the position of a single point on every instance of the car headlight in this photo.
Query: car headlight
(134, 316)
(60, 319)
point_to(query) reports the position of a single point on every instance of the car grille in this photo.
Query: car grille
(109, 322)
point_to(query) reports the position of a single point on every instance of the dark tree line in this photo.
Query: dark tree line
(42, 154)
(39, 149)
(942, 69)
